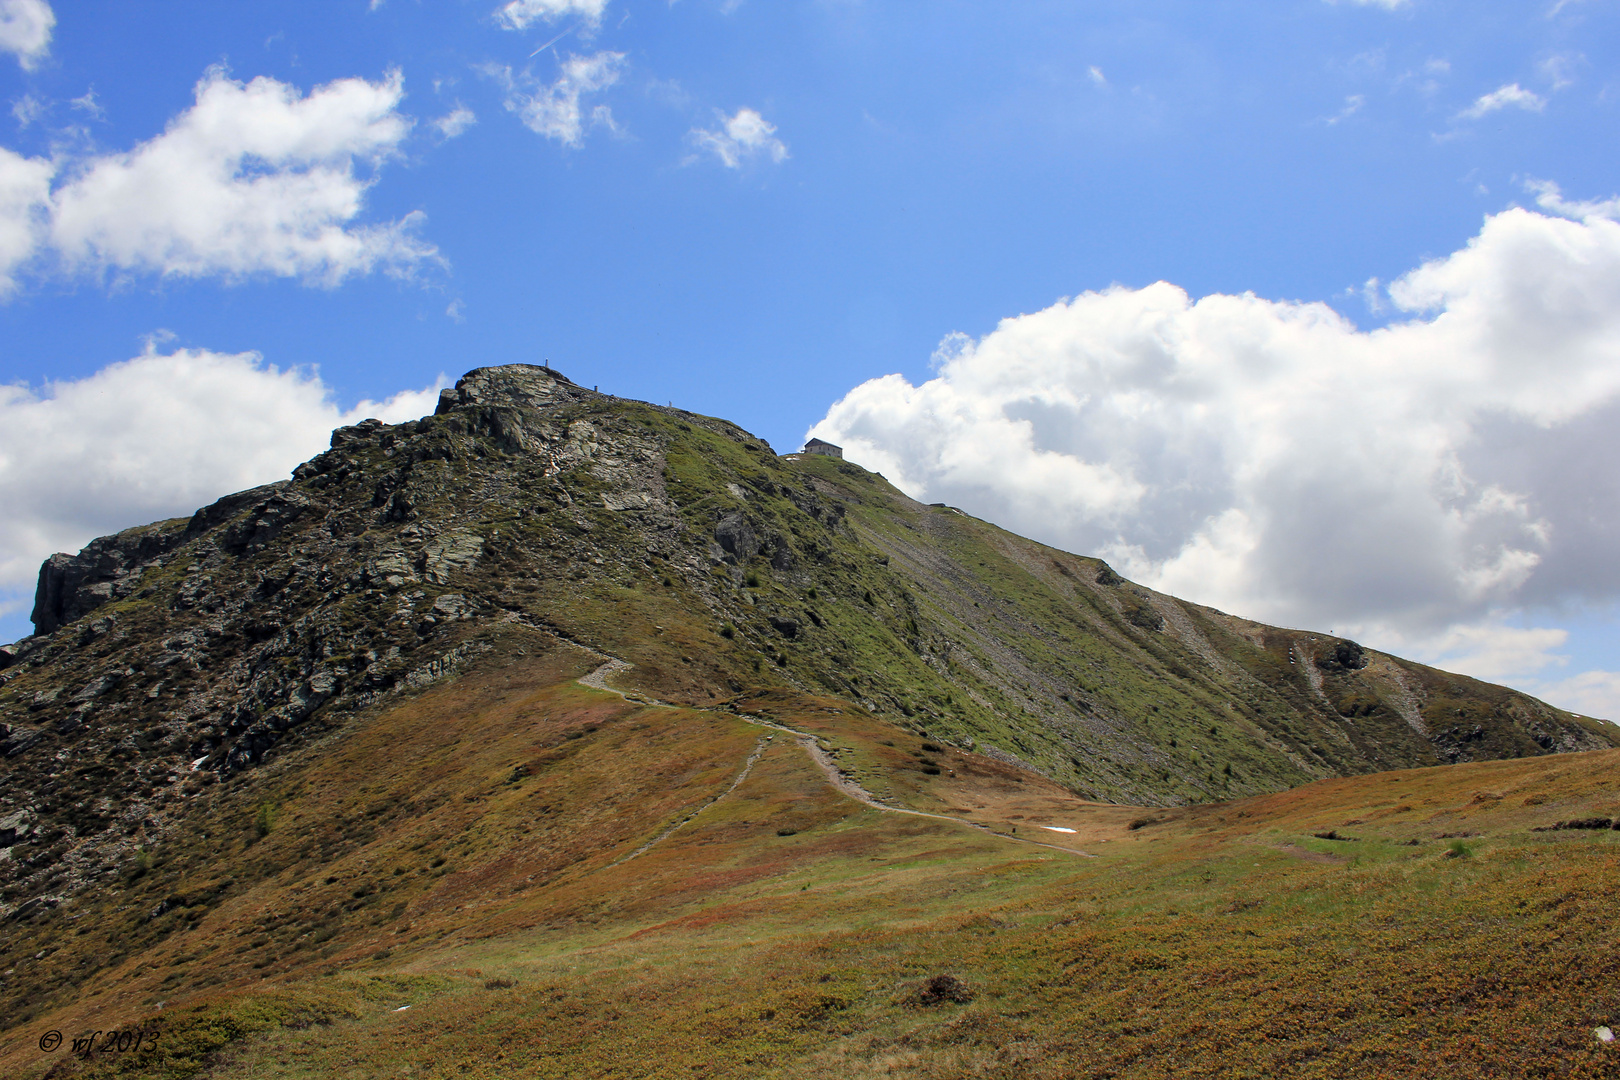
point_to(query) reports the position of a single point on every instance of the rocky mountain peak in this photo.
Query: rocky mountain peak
(514, 386)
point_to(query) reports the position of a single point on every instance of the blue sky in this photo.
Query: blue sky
(756, 209)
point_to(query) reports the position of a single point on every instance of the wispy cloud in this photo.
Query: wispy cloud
(1550, 198)
(26, 109)
(455, 121)
(741, 137)
(1511, 96)
(521, 14)
(1352, 105)
(1559, 69)
(89, 105)
(554, 109)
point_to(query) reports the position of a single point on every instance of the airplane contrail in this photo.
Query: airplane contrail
(554, 40)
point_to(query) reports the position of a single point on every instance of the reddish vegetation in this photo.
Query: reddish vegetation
(465, 852)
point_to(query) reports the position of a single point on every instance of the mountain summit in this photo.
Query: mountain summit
(550, 657)
(686, 548)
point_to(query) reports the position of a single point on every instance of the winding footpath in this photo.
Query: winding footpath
(597, 680)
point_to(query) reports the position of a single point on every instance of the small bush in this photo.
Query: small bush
(752, 580)
(499, 984)
(138, 866)
(728, 631)
(265, 819)
(941, 989)
(1458, 849)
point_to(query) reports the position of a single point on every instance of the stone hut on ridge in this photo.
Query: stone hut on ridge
(817, 446)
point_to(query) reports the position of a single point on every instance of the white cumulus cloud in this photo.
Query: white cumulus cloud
(520, 14)
(1511, 96)
(1416, 485)
(25, 187)
(150, 438)
(554, 109)
(739, 138)
(253, 179)
(25, 30)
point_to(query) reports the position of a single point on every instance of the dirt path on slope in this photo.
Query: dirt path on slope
(829, 768)
(748, 767)
(597, 680)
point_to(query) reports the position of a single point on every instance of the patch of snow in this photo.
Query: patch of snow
(1057, 828)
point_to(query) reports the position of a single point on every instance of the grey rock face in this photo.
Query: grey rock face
(736, 536)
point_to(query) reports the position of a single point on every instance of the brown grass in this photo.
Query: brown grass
(1223, 940)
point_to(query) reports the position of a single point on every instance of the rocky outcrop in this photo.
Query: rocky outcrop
(72, 586)
(514, 386)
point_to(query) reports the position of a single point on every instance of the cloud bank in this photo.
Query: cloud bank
(253, 179)
(1416, 485)
(151, 438)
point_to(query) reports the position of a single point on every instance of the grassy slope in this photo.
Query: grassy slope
(967, 633)
(974, 634)
(784, 929)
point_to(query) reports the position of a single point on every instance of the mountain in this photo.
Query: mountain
(551, 662)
